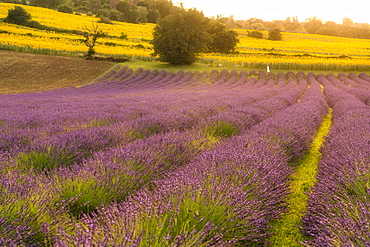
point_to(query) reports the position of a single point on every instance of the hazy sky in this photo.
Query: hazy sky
(268, 10)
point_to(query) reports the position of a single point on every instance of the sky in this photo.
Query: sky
(268, 10)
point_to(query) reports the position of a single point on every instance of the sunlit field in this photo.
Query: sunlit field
(296, 51)
(50, 42)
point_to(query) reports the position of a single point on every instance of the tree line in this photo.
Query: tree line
(132, 11)
(151, 11)
(348, 28)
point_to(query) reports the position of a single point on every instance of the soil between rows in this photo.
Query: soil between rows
(25, 72)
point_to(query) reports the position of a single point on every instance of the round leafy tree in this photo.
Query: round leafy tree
(275, 34)
(18, 16)
(223, 40)
(179, 38)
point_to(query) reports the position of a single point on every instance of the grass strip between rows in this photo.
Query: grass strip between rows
(302, 180)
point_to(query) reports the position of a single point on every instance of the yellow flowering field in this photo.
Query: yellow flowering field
(306, 50)
(306, 43)
(289, 62)
(57, 19)
(39, 39)
(299, 51)
(68, 43)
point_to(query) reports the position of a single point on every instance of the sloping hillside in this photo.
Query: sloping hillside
(24, 72)
(297, 51)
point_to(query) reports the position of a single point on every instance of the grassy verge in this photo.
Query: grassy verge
(302, 180)
(135, 64)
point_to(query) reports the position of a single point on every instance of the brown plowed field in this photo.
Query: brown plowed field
(25, 72)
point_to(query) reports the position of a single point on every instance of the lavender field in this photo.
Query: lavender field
(156, 158)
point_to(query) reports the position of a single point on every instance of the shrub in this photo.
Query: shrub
(114, 15)
(102, 12)
(123, 36)
(140, 46)
(275, 34)
(35, 24)
(105, 20)
(65, 9)
(110, 44)
(18, 16)
(255, 34)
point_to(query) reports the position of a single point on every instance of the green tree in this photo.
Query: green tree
(313, 25)
(143, 14)
(114, 15)
(102, 12)
(224, 40)
(275, 34)
(330, 28)
(143, 3)
(84, 6)
(96, 4)
(133, 16)
(348, 22)
(18, 16)
(179, 38)
(53, 4)
(165, 7)
(91, 36)
(153, 15)
(291, 25)
(123, 7)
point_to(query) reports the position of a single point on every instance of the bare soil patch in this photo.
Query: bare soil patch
(25, 72)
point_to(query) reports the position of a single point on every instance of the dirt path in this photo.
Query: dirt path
(25, 72)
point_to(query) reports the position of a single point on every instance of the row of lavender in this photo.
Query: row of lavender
(128, 79)
(339, 206)
(67, 152)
